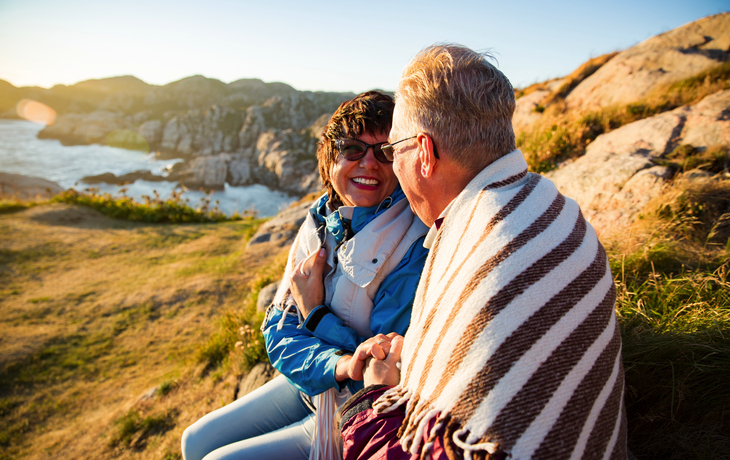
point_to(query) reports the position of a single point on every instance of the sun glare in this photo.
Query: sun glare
(36, 112)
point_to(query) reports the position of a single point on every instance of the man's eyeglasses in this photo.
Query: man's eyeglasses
(389, 151)
(353, 150)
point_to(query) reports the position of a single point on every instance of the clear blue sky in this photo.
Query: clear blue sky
(325, 45)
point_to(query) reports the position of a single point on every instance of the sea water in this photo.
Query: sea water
(21, 152)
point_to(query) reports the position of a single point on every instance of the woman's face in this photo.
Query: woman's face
(365, 182)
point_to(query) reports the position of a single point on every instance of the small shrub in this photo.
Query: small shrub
(10, 206)
(154, 210)
(166, 387)
(132, 430)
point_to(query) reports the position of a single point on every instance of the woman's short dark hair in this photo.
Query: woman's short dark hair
(370, 112)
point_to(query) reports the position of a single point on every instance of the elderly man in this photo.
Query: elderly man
(513, 349)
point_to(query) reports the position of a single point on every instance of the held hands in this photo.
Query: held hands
(375, 361)
(385, 371)
(307, 282)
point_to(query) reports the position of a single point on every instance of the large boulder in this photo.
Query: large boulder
(618, 175)
(257, 376)
(661, 60)
(282, 228)
(27, 187)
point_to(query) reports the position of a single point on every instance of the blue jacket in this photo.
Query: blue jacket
(307, 353)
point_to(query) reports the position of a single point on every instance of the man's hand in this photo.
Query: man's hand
(351, 366)
(386, 371)
(307, 282)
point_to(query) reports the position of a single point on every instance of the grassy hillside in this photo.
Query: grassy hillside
(97, 311)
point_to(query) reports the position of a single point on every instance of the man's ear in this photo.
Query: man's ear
(426, 157)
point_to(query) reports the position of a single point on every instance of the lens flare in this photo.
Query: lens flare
(36, 112)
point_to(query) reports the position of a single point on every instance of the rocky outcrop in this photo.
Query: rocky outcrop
(257, 376)
(529, 108)
(619, 174)
(85, 128)
(282, 228)
(266, 296)
(202, 133)
(240, 133)
(661, 60)
(110, 178)
(27, 187)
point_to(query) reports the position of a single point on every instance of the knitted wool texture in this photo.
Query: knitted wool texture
(513, 342)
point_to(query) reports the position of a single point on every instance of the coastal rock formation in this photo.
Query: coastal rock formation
(110, 178)
(244, 132)
(27, 187)
(664, 59)
(85, 128)
(202, 133)
(618, 175)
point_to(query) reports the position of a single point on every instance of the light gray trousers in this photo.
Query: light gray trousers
(271, 422)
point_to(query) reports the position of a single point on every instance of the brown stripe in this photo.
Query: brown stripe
(514, 288)
(561, 439)
(606, 422)
(518, 199)
(507, 181)
(525, 337)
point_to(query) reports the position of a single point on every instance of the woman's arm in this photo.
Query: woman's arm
(309, 355)
(391, 307)
(307, 361)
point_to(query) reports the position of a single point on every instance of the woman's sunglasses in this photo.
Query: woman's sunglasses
(353, 150)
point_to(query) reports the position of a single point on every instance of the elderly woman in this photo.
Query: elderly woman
(364, 230)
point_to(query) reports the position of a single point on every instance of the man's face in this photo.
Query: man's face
(406, 165)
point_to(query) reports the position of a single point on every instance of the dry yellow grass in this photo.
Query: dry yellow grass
(96, 311)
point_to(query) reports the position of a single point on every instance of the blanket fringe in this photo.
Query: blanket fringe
(391, 400)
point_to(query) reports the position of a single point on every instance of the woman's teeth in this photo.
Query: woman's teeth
(363, 181)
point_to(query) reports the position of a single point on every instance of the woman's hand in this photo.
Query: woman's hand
(385, 371)
(307, 282)
(377, 347)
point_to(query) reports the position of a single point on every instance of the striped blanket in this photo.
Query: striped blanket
(513, 343)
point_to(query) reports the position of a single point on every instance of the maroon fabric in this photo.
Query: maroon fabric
(371, 436)
(438, 223)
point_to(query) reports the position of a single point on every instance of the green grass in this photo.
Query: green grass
(238, 343)
(8, 206)
(673, 305)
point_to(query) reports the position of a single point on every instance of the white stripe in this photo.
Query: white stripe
(598, 404)
(540, 427)
(617, 426)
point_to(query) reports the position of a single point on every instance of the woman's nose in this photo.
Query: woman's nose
(369, 161)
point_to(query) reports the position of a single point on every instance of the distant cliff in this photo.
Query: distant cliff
(243, 132)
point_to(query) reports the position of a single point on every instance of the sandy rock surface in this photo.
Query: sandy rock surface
(617, 176)
(672, 56)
